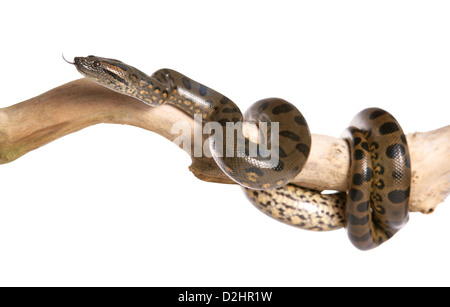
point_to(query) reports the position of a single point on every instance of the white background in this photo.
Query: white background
(100, 206)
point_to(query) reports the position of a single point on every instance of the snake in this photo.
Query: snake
(375, 205)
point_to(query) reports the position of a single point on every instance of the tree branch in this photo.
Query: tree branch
(78, 104)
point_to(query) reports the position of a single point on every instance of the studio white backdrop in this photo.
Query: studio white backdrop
(116, 205)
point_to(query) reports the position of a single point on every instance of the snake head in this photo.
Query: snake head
(111, 73)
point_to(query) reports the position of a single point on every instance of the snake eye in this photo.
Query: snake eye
(96, 64)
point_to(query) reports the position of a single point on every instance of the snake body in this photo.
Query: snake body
(376, 203)
(256, 171)
(375, 206)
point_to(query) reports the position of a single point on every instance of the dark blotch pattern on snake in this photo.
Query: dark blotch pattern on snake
(375, 206)
(377, 202)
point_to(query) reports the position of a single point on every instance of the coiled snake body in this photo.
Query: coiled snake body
(376, 203)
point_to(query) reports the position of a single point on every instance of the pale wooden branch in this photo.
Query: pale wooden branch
(82, 103)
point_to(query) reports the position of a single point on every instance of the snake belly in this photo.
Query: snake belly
(376, 203)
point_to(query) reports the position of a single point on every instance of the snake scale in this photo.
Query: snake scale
(375, 205)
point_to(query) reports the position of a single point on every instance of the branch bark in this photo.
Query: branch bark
(81, 103)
